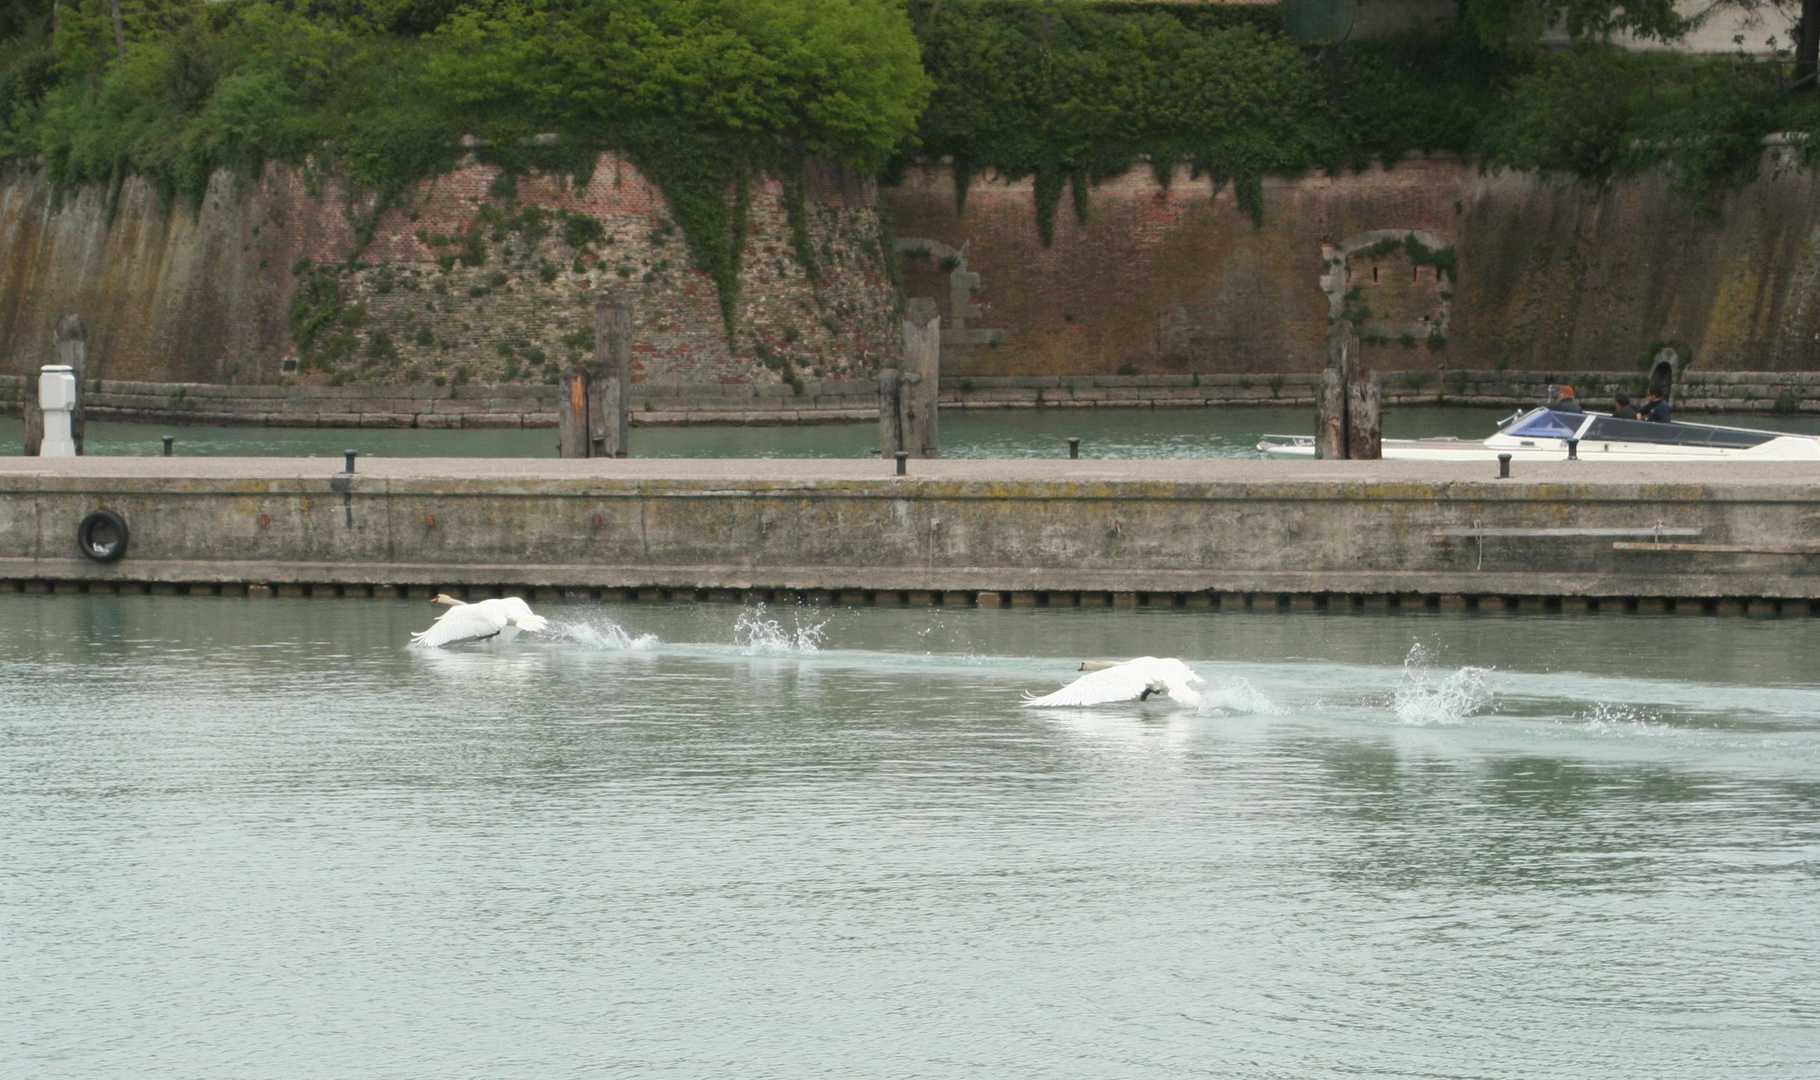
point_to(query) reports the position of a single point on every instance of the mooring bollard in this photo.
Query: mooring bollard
(1074, 449)
(903, 457)
(1504, 466)
(57, 397)
(349, 455)
(1573, 449)
(168, 440)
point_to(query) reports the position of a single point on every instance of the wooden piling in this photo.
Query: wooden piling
(1330, 417)
(920, 380)
(70, 344)
(1349, 406)
(592, 416)
(572, 414)
(890, 413)
(610, 383)
(1364, 417)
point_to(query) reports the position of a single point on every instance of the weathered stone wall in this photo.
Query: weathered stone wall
(204, 294)
(1546, 275)
(1444, 267)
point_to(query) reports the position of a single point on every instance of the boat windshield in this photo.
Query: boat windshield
(1547, 424)
(1611, 429)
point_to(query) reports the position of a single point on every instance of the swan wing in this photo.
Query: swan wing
(517, 613)
(1180, 679)
(1182, 672)
(1129, 681)
(461, 623)
(1121, 683)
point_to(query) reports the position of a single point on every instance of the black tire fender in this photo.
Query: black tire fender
(102, 536)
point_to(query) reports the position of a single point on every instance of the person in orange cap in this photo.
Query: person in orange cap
(1565, 401)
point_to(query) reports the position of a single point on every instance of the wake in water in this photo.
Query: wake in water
(1238, 698)
(1421, 699)
(760, 635)
(1617, 718)
(604, 634)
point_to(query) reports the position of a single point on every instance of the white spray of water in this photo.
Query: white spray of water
(1617, 718)
(759, 634)
(1420, 699)
(1238, 698)
(604, 634)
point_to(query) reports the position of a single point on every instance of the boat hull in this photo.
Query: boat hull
(1609, 453)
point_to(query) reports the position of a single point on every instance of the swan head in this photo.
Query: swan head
(1096, 665)
(444, 598)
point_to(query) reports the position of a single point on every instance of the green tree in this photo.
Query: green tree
(1069, 92)
(1506, 24)
(839, 77)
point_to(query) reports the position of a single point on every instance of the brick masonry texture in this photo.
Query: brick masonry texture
(204, 294)
(1551, 275)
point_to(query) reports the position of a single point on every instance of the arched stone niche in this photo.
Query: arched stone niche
(1392, 283)
(919, 258)
(1664, 370)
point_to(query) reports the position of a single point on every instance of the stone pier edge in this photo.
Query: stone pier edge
(1205, 534)
(331, 581)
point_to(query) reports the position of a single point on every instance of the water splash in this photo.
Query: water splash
(759, 634)
(1420, 699)
(1238, 698)
(1618, 718)
(604, 634)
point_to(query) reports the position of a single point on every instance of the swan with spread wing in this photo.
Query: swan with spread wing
(478, 621)
(1134, 680)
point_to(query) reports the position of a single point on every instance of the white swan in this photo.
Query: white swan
(488, 618)
(1133, 680)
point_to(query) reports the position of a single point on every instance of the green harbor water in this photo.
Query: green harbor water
(1104, 433)
(256, 839)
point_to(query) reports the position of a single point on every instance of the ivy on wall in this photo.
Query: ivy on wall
(705, 94)
(1070, 93)
(701, 94)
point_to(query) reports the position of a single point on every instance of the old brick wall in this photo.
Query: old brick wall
(1547, 275)
(204, 294)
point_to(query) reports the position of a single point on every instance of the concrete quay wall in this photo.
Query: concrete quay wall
(1058, 532)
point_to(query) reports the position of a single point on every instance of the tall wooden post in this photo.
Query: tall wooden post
(572, 414)
(1348, 417)
(890, 412)
(610, 381)
(591, 417)
(1330, 436)
(1364, 417)
(921, 383)
(33, 414)
(69, 345)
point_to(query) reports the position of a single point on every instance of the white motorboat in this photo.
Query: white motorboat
(1547, 435)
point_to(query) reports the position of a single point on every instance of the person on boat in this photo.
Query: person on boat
(1565, 401)
(1622, 409)
(1655, 408)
